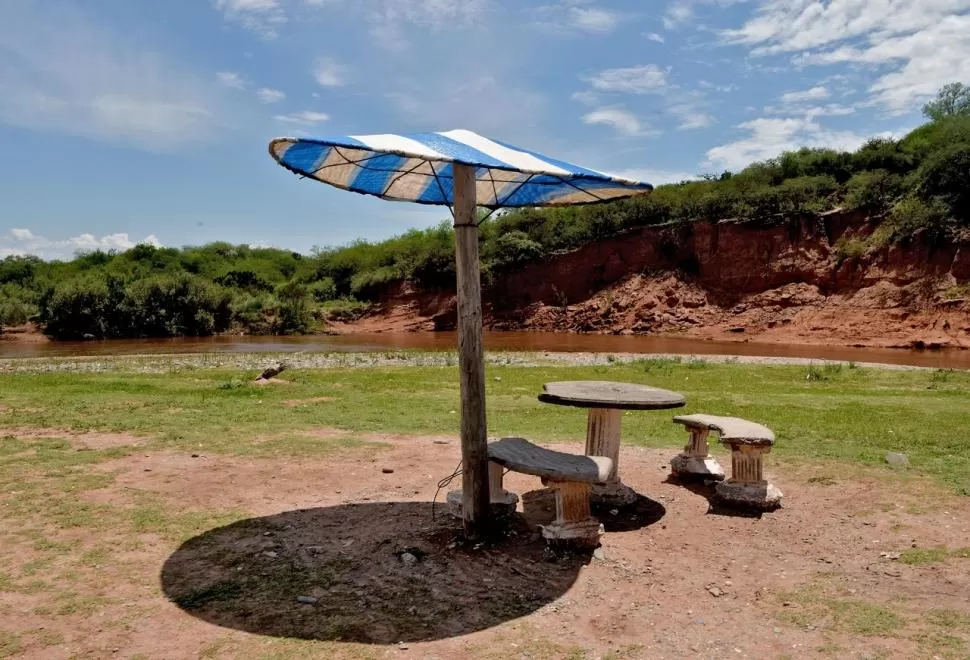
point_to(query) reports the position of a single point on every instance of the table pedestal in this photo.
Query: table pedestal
(603, 439)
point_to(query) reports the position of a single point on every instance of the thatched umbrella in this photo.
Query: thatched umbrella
(462, 170)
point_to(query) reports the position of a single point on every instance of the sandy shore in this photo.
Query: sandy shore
(164, 363)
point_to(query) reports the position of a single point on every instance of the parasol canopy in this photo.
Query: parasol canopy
(419, 168)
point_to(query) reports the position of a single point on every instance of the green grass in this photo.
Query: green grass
(828, 412)
(813, 605)
(931, 555)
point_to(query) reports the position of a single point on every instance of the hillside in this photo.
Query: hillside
(788, 279)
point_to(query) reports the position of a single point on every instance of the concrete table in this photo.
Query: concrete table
(606, 402)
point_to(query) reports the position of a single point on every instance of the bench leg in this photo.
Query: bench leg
(574, 524)
(747, 486)
(696, 461)
(502, 502)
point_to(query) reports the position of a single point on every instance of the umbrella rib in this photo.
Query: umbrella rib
(402, 175)
(494, 189)
(572, 185)
(347, 161)
(517, 189)
(444, 196)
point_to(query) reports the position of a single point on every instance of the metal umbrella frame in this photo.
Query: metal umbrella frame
(462, 170)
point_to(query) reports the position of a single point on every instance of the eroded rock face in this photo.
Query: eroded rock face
(778, 280)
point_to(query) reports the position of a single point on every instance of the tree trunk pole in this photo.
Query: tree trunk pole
(471, 358)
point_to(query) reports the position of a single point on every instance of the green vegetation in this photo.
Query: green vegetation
(852, 415)
(915, 186)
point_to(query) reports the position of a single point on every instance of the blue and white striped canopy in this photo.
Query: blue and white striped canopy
(418, 168)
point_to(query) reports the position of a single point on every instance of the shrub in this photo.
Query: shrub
(78, 307)
(173, 305)
(945, 176)
(874, 190)
(322, 290)
(295, 314)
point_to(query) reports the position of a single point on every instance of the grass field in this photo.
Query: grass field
(817, 412)
(72, 557)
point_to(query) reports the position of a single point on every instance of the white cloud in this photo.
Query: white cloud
(264, 17)
(814, 94)
(690, 117)
(677, 14)
(392, 20)
(232, 79)
(586, 97)
(622, 121)
(267, 95)
(640, 79)
(653, 36)
(572, 18)
(653, 176)
(811, 111)
(916, 46)
(304, 118)
(328, 72)
(23, 241)
(62, 73)
(769, 137)
(706, 84)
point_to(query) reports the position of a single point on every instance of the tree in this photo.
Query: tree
(951, 101)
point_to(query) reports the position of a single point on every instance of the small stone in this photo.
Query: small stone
(387, 470)
(599, 555)
(307, 600)
(714, 591)
(408, 558)
(897, 460)
(195, 455)
(271, 554)
(267, 533)
(776, 630)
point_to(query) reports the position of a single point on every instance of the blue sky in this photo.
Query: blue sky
(128, 121)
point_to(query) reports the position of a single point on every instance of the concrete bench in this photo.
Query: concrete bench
(749, 442)
(569, 476)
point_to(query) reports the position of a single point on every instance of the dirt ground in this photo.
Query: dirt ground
(352, 535)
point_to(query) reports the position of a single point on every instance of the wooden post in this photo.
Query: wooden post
(471, 358)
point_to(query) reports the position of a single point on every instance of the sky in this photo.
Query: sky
(125, 122)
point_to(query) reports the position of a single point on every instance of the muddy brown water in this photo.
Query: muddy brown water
(494, 341)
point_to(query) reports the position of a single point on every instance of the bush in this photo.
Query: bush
(344, 309)
(172, 306)
(875, 190)
(513, 249)
(295, 314)
(77, 308)
(323, 290)
(945, 175)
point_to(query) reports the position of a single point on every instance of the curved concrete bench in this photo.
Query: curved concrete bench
(749, 442)
(569, 476)
(520, 455)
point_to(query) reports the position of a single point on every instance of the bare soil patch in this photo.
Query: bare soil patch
(673, 579)
(87, 440)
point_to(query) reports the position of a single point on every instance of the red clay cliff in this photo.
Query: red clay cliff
(777, 280)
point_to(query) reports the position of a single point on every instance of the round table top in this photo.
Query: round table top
(607, 394)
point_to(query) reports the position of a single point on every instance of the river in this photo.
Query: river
(494, 341)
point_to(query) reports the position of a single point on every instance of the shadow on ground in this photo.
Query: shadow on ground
(705, 488)
(375, 573)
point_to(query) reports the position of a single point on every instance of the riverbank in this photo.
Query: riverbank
(176, 362)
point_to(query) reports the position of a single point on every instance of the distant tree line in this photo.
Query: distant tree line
(916, 185)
